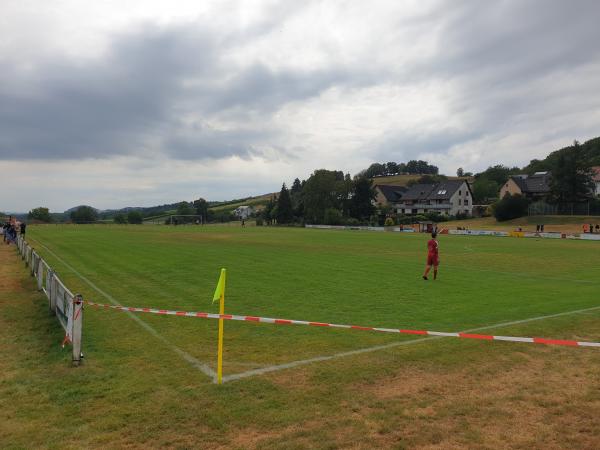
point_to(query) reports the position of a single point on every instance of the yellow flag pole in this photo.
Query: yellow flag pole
(221, 288)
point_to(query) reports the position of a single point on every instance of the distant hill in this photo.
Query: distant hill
(589, 149)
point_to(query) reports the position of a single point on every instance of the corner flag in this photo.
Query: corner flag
(220, 290)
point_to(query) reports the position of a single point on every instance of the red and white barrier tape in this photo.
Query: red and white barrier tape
(487, 337)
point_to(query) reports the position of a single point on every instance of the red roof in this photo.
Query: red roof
(596, 176)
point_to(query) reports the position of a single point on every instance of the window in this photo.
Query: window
(441, 191)
(459, 192)
(459, 201)
(466, 202)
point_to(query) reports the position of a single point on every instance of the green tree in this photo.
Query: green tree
(571, 177)
(460, 172)
(361, 203)
(484, 189)
(374, 170)
(285, 211)
(135, 217)
(332, 216)
(498, 173)
(185, 209)
(510, 207)
(391, 168)
(120, 218)
(297, 198)
(84, 214)
(323, 190)
(201, 207)
(40, 214)
(267, 214)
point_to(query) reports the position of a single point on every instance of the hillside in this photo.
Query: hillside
(257, 202)
(589, 150)
(403, 180)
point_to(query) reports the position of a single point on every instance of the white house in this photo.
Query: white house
(449, 197)
(244, 211)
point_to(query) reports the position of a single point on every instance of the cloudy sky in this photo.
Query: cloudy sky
(139, 103)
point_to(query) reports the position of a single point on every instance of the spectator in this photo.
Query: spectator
(23, 228)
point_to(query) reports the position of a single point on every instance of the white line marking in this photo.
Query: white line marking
(292, 364)
(186, 356)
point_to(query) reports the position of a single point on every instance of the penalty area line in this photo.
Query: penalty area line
(202, 367)
(303, 362)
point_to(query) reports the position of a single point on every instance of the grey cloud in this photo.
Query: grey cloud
(404, 146)
(505, 61)
(509, 41)
(192, 142)
(127, 102)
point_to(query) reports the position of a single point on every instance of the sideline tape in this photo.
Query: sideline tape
(486, 337)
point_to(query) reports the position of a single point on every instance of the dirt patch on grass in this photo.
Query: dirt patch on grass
(546, 400)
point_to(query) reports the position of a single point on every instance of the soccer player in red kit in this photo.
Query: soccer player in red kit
(432, 257)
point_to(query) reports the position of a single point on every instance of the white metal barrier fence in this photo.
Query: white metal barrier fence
(66, 306)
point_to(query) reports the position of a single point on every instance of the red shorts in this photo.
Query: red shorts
(433, 260)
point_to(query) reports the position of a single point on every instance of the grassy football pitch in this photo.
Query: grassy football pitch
(134, 369)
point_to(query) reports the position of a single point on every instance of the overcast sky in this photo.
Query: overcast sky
(140, 103)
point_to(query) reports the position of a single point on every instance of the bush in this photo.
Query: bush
(332, 216)
(259, 222)
(84, 214)
(120, 218)
(510, 207)
(436, 217)
(403, 219)
(134, 217)
(353, 222)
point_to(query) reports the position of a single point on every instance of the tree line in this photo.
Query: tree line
(326, 197)
(412, 167)
(330, 196)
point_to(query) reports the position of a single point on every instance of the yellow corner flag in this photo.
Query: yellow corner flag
(220, 291)
(220, 295)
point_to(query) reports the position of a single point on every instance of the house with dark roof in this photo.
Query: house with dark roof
(387, 195)
(449, 197)
(534, 187)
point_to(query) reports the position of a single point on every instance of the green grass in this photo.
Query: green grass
(133, 390)
(370, 279)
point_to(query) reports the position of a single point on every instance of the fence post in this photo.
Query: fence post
(77, 328)
(40, 274)
(52, 293)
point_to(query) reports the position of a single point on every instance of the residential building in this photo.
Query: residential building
(450, 197)
(387, 195)
(534, 187)
(243, 212)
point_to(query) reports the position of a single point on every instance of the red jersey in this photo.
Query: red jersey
(432, 247)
